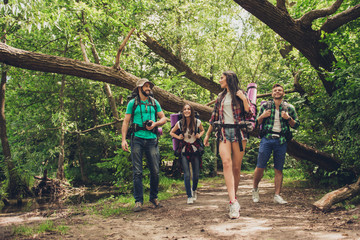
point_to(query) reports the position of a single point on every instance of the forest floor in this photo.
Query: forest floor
(207, 218)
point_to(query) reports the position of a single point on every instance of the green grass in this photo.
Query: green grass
(289, 174)
(124, 204)
(47, 226)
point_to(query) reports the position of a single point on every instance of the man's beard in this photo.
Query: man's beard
(145, 93)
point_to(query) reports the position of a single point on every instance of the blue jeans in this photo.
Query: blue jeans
(151, 149)
(267, 146)
(186, 169)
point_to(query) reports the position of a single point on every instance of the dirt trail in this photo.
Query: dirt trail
(208, 218)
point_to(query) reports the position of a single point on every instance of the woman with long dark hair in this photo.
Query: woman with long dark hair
(189, 131)
(231, 107)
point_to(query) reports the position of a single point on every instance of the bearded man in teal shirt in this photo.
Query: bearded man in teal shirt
(143, 110)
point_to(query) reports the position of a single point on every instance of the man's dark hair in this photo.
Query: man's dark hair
(133, 94)
(277, 85)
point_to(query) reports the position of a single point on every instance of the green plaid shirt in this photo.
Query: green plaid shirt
(268, 123)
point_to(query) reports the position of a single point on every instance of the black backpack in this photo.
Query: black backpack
(133, 127)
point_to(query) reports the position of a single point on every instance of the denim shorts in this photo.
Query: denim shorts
(230, 134)
(268, 146)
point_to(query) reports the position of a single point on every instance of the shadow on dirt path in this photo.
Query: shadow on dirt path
(208, 218)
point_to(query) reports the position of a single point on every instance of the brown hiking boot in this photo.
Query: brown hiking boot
(156, 203)
(138, 207)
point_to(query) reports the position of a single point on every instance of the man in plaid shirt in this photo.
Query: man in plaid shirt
(276, 117)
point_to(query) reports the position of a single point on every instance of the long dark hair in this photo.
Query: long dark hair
(233, 85)
(192, 120)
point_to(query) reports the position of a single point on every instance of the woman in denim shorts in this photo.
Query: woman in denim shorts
(231, 107)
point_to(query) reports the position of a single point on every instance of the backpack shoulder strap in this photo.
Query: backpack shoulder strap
(197, 130)
(268, 104)
(285, 105)
(153, 103)
(136, 103)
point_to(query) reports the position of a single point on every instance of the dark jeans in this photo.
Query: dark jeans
(151, 149)
(186, 169)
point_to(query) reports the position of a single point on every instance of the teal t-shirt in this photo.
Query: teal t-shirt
(148, 113)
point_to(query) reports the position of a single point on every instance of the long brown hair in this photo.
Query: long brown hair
(192, 120)
(234, 85)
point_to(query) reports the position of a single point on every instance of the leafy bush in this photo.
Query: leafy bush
(122, 168)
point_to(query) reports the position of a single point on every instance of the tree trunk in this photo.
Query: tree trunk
(302, 151)
(60, 171)
(107, 87)
(10, 167)
(337, 196)
(17, 187)
(3, 133)
(113, 107)
(84, 177)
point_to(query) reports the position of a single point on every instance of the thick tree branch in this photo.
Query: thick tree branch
(337, 196)
(54, 64)
(309, 17)
(269, 94)
(83, 50)
(93, 49)
(340, 19)
(121, 48)
(306, 40)
(323, 160)
(298, 87)
(179, 64)
(100, 126)
(281, 4)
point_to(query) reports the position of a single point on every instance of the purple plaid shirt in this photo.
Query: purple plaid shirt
(217, 115)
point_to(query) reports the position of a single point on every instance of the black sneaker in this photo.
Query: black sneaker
(156, 203)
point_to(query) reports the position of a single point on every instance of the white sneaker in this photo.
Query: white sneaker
(190, 200)
(194, 195)
(255, 195)
(234, 210)
(278, 199)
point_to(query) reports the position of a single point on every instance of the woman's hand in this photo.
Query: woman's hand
(197, 136)
(206, 141)
(241, 95)
(180, 137)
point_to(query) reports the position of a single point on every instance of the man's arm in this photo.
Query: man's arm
(162, 119)
(263, 113)
(124, 130)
